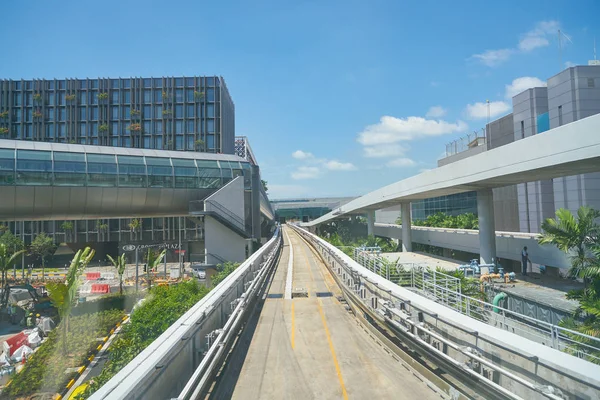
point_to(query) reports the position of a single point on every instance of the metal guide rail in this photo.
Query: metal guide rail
(180, 362)
(497, 362)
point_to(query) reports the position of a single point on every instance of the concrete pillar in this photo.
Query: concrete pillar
(255, 214)
(370, 222)
(406, 226)
(487, 229)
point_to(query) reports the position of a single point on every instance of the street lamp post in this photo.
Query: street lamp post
(137, 269)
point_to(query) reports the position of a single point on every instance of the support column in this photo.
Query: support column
(255, 213)
(406, 226)
(370, 222)
(487, 228)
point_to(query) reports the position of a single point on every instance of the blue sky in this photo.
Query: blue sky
(337, 97)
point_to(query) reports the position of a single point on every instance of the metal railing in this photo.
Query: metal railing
(446, 290)
(222, 211)
(460, 337)
(475, 139)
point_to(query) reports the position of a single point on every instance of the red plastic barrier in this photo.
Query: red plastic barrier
(100, 288)
(92, 276)
(15, 342)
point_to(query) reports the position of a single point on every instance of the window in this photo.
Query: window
(34, 167)
(210, 142)
(83, 84)
(209, 173)
(94, 84)
(16, 115)
(50, 85)
(114, 112)
(189, 126)
(7, 167)
(82, 98)
(132, 172)
(147, 111)
(158, 142)
(185, 173)
(94, 113)
(189, 111)
(158, 127)
(210, 81)
(158, 96)
(62, 130)
(50, 130)
(157, 111)
(69, 169)
(522, 129)
(114, 83)
(147, 96)
(210, 94)
(178, 126)
(28, 99)
(147, 127)
(590, 83)
(179, 142)
(560, 116)
(146, 142)
(178, 111)
(102, 170)
(61, 84)
(17, 99)
(157, 82)
(114, 129)
(17, 85)
(93, 97)
(61, 98)
(126, 112)
(179, 82)
(82, 113)
(126, 83)
(82, 129)
(50, 114)
(28, 131)
(147, 82)
(94, 129)
(160, 172)
(127, 97)
(189, 142)
(189, 95)
(114, 97)
(126, 142)
(210, 110)
(28, 114)
(179, 95)
(210, 125)
(62, 114)
(189, 82)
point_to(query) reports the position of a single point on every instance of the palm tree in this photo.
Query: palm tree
(134, 226)
(576, 236)
(63, 293)
(120, 263)
(7, 258)
(153, 260)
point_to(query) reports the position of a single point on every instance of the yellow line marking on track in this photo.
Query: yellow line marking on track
(333, 356)
(293, 327)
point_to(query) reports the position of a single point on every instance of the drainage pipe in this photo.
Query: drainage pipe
(500, 296)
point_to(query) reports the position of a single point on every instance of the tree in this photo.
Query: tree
(63, 294)
(264, 185)
(199, 145)
(135, 225)
(11, 241)
(7, 257)
(67, 227)
(576, 237)
(153, 259)
(42, 246)
(120, 263)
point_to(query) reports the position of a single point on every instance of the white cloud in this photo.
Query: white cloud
(436, 112)
(306, 173)
(390, 150)
(401, 162)
(538, 37)
(339, 166)
(491, 58)
(301, 155)
(480, 110)
(523, 83)
(392, 130)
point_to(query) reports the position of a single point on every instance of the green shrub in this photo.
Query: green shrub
(109, 302)
(45, 369)
(223, 271)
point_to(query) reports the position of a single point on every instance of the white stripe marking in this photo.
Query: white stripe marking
(290, 270)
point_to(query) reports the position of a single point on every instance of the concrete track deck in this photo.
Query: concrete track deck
(312, 347)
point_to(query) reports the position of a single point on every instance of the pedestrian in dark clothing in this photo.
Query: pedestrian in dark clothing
(524, 260)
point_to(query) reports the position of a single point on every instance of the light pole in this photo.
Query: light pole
(179, 253)
(137, 268)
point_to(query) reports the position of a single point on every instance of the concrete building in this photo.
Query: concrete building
(571, 95)
(129, 163)
(306, 209)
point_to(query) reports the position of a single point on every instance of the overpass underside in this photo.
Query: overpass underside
(311, 346)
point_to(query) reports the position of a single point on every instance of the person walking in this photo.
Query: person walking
(524, 260)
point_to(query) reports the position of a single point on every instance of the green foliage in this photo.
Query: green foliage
(8, 258)
(45, 370)
(153, 259)
(11, 241)
(42, 247)
(163, 307)
(441, 220)
(120, 263)
(264, 185)
(67, 226)
(114, 301)
(223, 270)
(386, 244)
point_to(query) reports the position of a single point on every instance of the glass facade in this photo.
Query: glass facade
(57, 168)
(139, 112)
(453, 204)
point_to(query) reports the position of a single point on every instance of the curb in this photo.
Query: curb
(92, 355)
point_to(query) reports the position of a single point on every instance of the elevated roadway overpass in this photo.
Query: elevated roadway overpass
(300, 319)
(567, 150)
